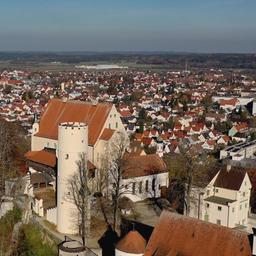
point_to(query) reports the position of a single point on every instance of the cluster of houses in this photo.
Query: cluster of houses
(157, 114)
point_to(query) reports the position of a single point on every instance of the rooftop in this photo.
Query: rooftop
(219, 200)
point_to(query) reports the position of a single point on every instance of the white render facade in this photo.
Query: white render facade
(140, 188)
(73, 142)
(218, 205)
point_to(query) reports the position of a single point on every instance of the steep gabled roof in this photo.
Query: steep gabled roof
(58, 111)
(180, 235)
(230, 179)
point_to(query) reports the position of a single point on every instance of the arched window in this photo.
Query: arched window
(154, 184)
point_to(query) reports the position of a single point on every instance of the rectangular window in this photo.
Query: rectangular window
(218, 222)
(208, 192)
(140, 187)
(207, 205)
(66, 156)
(216, 190)
(245, 205)
(233, 209)
(133, 188)
(154, 184)
(240, 207)
(109, 126)
(219, 208)
(243, 194)
(116, 124)
(146, 186)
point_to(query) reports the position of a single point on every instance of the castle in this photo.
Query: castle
(67, 130)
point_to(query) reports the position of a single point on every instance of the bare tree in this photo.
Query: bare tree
(12, 144)
(191, 170)
(116, 171)
(80, 196)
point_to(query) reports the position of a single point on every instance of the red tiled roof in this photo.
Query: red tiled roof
(58, 111)
(138, 136)
(231, 102)
(241, 126)
(49, 159)
(125, 113)
(132, 243)
(107, 134)
(42, 157)
(180, 235)
(146, 141)
(230, 179)
(138, 166)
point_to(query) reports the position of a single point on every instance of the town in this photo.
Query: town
(127, 162)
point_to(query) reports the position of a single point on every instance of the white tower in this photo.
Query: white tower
(72, 142)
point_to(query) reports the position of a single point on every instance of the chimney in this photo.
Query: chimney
(228, 167)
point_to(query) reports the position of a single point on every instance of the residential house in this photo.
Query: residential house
(225, 200)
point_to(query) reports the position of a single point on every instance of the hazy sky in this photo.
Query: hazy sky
(128, 25)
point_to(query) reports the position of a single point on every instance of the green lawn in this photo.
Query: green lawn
(6, 227)
(34, 242)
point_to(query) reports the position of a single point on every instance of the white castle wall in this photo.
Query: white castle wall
(51, 215)
(38, 207)
(73, 141)
(39, 143)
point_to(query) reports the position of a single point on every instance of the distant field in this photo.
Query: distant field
(154, 61)
(44, 66)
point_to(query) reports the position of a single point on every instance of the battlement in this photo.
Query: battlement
(73, 125)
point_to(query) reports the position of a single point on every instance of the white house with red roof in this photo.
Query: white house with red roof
(225, 200)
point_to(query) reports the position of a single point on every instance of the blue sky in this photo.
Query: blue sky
(128, 25)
